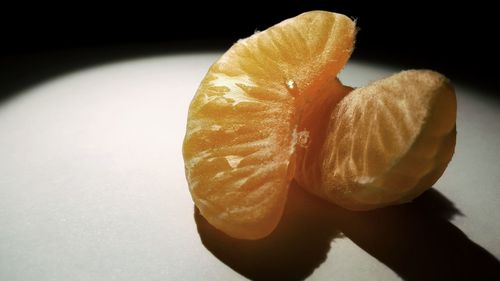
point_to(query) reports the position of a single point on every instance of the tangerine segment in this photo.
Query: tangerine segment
(387, 142)
(239, 148)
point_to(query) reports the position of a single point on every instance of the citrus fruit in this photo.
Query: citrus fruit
(271, 110)
(384, 144)
(243, 122)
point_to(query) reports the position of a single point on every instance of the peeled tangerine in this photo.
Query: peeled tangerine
(271, 110)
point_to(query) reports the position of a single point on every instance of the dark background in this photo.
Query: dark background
(38, 42)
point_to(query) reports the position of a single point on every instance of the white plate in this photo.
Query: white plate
(92, 187)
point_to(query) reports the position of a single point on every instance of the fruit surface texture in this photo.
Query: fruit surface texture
(385, 143)
(272, 110)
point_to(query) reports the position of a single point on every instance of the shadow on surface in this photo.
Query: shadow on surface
(415, 240)
(292, 251)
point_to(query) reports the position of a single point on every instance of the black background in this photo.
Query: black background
(37, 42)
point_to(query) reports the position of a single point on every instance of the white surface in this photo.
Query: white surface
(92, 183)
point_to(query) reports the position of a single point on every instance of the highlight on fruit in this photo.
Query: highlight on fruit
(271, 110)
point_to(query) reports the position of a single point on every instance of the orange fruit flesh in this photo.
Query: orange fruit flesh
(313, 125)
(386, 143)
(244, 121)
(271, 109)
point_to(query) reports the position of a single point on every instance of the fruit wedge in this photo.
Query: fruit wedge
(384, 144)
(243, 123)
(271, 110)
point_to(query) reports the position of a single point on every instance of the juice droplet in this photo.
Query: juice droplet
(291, 86)
(303, 139)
